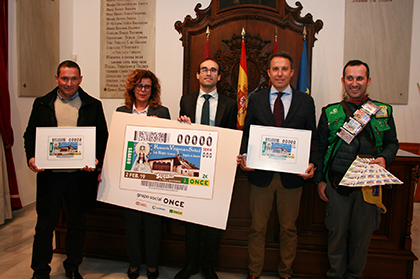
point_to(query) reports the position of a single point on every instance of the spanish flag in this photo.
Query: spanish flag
(242, 96)
(276, 48)
(207, 50)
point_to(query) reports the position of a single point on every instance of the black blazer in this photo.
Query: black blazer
(301, 115)
(225, 114)
(43, 115)
(160, 111)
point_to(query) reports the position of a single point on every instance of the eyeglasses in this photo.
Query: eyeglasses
(141, 86)
(205, 70)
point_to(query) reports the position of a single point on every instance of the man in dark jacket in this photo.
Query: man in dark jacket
(207, 107)
(280, 106)
(350, 217)
(66, 105)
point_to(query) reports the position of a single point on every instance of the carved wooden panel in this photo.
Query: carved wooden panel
(261, 23)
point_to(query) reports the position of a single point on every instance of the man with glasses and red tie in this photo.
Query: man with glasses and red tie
(280, 105)
(206, 107)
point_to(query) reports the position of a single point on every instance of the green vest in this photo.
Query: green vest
(336, 117)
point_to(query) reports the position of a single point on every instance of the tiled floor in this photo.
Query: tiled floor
(16, 246)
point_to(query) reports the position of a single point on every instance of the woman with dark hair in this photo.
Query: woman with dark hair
(142, 97)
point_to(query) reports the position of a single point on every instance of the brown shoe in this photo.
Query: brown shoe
(252, 277)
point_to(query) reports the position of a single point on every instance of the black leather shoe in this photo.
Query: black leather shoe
(209, 273)
(133, 274)
(186, 272)
(74, 274)
(153, 275)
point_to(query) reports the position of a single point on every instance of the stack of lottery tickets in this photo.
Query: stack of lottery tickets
(355, 124)
(361, 174)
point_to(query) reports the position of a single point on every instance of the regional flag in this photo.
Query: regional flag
(242, 96)
(303, 78)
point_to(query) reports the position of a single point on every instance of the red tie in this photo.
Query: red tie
(279, 110)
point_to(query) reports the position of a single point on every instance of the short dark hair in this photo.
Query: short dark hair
(283, 54)
(68, 64)
(204, 60)
(356, 63)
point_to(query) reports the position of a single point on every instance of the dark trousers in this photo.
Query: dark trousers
(210, 245)
(350, 222)
(152, 233)
(67, 186)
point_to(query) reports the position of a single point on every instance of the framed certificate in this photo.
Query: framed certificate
(278, 149)
(65, 147)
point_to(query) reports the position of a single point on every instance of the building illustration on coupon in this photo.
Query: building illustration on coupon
(176, 161)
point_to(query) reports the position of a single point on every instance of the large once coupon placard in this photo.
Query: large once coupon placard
(278, 149)
(164, 167)
(65, 147)
(171, 161)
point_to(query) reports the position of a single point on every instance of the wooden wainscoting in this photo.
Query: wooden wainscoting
(413, 148)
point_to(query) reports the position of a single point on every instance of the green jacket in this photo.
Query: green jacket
(382, 129)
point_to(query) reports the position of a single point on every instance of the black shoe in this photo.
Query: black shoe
(133, 274)
(74, 274)
(153, 275)
(208, 272)
(186, 272)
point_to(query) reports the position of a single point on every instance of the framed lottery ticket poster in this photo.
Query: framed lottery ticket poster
(65, 147)
(168, 168)
(278, 149)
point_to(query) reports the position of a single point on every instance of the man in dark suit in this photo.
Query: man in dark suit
(279, 106)
(209, 108)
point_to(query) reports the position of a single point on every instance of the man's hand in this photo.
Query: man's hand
(32, 165)
(322, 186)
(86, 168)
(380, 161)
(184, 119)
(241, 160)
(309, 172)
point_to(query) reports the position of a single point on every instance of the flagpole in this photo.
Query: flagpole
(207, 48)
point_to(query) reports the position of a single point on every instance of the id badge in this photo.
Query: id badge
(361, 116)
(353, 126)
(345, 135)
(370, 107)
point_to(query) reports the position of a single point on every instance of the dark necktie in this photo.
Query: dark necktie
(205, 112)
(278, 110)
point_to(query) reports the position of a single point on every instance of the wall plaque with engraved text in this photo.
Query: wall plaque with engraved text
(127, 42)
